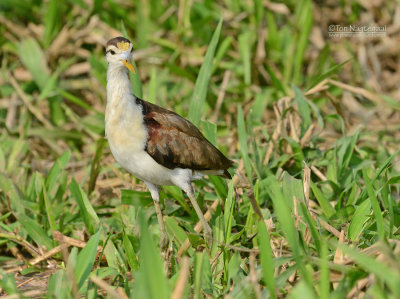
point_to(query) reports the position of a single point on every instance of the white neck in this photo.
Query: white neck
(118, 84)
(121, 109)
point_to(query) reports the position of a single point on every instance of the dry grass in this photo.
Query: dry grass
(52, 98)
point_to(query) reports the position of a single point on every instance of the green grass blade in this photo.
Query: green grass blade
(244, 47)
(200, 89)
(177, 232)
(266, 258)
(372, 265)
(346, 151)
(35, 231)
(8, 187)
(95, 166)
(49, 210)
(302, 290)
(229, 213)
(56, 170)
(130, 253)
(210, 131)
(150, 281)
(304, 110)
(285, 218)
(324, 272)
(390, 201)
(361, 216)
(70, 97)
(327, 74)
(136, 82)
(86, 259)
(384, 166)
(311, 226)
(87, 212)
(222, 49)
(34, 59)
(52, 21)
(323, 202)
(112, 255)
(375, 204)
(304, 23)
(19, 149)
(275, 80)
(242, 132)
(202, 275)
(8, 284)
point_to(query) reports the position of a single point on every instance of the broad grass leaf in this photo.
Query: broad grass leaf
(150, 281)
(52, 21)
(174, 229)
(34, 59)
(284, 215)
(375, 204)
(242, 132)
(266, 258)
(302, 290)
(372, 265)
(327, 74)
(130, 253)
(202, 275)
(326, 207)
(304, 22)
(229, 213)
(86, 259)
(244, 48)
(35, 231)
(312, 226)
(95, 166)
(87, 212)
(358, 220)
(200, 89)
(7, 283)
(303, 109)
(56, 170)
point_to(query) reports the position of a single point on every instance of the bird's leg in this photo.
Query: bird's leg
(206, 227)
(155, 194)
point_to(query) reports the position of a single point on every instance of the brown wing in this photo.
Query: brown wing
(175, 142)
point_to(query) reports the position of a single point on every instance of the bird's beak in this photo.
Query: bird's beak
(129, 65)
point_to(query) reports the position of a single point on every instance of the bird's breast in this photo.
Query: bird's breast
(125, 130)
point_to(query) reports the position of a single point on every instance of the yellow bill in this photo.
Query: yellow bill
(129, 65)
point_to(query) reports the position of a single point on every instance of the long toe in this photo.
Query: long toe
(208, 234)
(164, 242)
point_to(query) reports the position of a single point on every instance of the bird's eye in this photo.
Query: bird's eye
(112, 52)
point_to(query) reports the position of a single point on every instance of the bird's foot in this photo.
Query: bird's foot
(164, 241)
(166, 253)
(208, 235)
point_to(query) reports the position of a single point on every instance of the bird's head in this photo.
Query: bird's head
(119, 52)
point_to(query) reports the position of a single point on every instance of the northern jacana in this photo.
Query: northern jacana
(155, 144)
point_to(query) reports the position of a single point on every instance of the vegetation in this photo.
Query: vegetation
(311, 121)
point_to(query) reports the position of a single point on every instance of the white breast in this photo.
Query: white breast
(127, 135)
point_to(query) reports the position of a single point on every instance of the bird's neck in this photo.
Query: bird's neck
(118, 85)
(122, 109)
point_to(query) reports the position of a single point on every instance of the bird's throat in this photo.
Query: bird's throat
(124, 125)
(118, 84)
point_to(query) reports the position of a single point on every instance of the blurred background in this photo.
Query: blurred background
(283, 88)
(52, 56)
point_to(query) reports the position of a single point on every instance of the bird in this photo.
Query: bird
(156, 145)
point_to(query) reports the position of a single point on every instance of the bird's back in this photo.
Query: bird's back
(175, 142)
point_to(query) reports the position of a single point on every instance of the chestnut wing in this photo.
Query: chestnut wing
(175, 142)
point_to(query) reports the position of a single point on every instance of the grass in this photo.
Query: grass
(312, 210)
